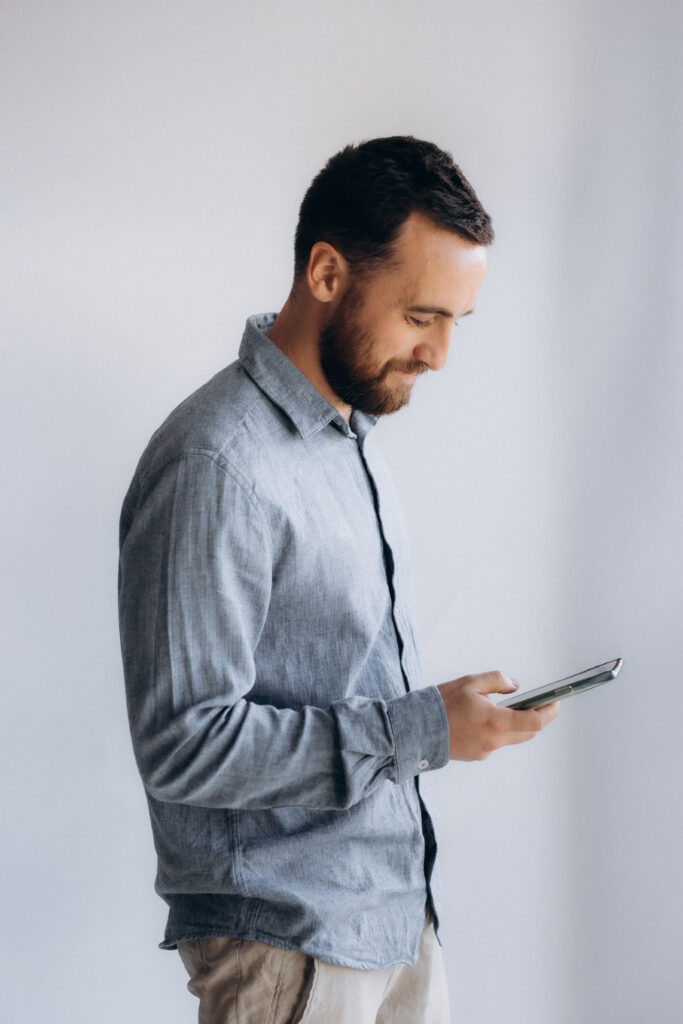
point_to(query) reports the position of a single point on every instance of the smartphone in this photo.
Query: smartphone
(585, 680)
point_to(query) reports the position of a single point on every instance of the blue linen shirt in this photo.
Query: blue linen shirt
(272, 673)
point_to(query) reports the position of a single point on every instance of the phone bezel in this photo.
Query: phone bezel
(562, 688)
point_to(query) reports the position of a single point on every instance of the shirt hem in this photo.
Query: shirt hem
(273, 940)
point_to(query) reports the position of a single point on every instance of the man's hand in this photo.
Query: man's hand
(477, 726)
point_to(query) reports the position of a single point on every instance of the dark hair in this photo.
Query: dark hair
(360, 199)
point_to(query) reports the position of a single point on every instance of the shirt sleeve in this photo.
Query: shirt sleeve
(195, 576)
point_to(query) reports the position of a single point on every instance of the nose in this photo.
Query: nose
(434, 350)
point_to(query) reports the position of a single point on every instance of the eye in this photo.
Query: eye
(418, 323)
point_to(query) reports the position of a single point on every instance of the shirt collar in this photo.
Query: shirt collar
(288, 387)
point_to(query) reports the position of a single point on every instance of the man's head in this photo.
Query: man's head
(388, 329)
(391, 247)
(362, 197)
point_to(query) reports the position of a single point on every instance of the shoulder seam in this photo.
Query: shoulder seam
(227, 467)
(222, 464)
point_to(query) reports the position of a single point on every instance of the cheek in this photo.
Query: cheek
(394, 340)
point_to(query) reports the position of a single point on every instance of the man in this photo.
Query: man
(267, 628)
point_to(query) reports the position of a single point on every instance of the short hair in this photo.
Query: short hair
(361, 198)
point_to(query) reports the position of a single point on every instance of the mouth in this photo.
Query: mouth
(410, 372)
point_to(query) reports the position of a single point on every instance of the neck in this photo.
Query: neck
(296, 332)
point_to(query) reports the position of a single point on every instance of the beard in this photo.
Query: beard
(346, 349)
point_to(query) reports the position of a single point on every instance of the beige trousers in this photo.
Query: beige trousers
(244, 982)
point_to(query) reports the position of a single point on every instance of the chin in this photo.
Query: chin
(388, 402)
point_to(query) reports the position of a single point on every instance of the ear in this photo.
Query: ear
(327, 272)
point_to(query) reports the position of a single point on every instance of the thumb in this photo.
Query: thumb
(496, 682)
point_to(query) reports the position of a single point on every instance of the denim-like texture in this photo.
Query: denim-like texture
(270, 663)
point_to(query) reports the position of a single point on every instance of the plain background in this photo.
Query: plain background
(153, 158)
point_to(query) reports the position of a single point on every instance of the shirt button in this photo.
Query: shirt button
(424, 763)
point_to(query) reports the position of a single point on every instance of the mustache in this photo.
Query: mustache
(417, 367)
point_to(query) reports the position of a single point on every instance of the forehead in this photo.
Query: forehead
(433, 267)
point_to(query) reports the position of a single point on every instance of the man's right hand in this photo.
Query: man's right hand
(477, 726)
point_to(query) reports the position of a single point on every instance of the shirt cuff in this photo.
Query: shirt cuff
(422, 736)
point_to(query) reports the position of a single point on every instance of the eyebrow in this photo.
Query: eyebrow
(438, 311)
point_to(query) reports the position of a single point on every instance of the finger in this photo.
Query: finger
(548, 712)
(517, 721)
(495, 682)
(519, 737)
(531, 721)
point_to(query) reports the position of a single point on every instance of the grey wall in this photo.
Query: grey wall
(154, 155)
